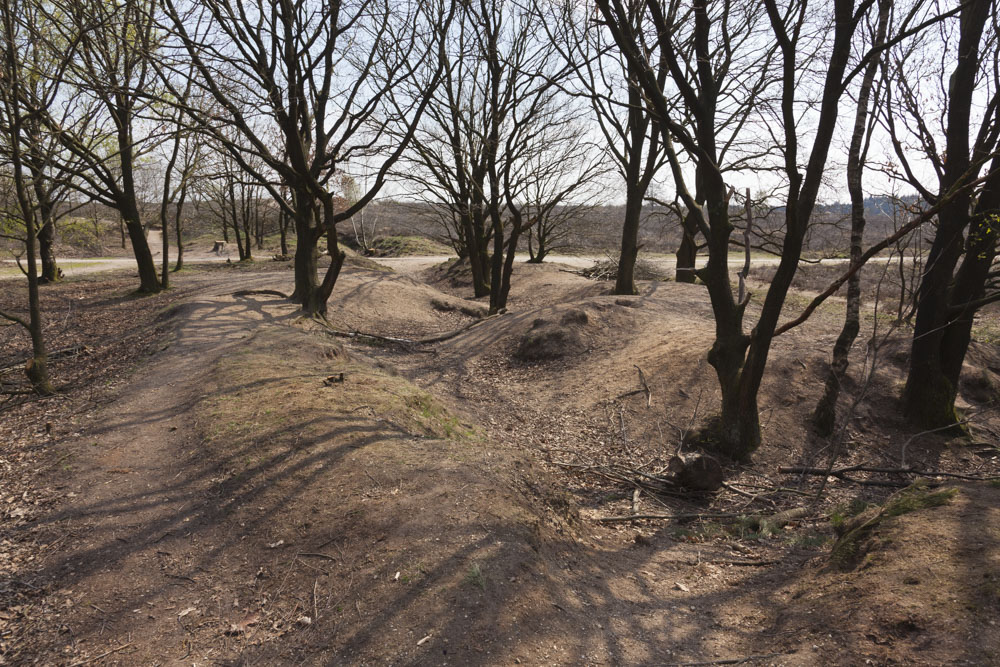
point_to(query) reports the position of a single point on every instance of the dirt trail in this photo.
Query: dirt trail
(78, 266)
(231, 508)
(262, 493)
(136, 479)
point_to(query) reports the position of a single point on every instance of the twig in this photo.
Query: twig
(98, 657)
(315, 603)
(645, 386)
(731, 661)
(743, 563)
(902, 453)
(315, 555)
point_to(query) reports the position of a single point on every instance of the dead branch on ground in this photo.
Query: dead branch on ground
(643, 388)
(842, 473)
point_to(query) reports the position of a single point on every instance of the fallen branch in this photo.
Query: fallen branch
(841, 473)
(668, 517)
(731, 661)
(406, 341)
(310, 554)
(724, 561)
(757, 521)
(643, 388)
(260, 292)
(451, 334)
(51, 356)
(98, 657)
(779, 520)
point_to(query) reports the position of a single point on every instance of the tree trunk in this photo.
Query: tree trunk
(47, 232)
(37, 369)
(508, 264)
(939, 334)
(737, 431)
(283, 219)
(47, 252)
(248, 239)
(638, 175)
(625, 282)
(165, 271)
(128, 206)
(306, 260)
(177, 229)
(478, 257)
(932, 383)
(496, 263)
(687, 252)
(825, 415)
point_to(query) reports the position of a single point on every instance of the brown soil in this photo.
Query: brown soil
(259, 491)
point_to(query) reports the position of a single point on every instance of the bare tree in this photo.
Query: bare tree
(960, 275)
(40, 83)
(609, 81)
(184, 153)
(820, 45)
(317, 76)
(547, 173)
(110, 72)
(499, 96)
(16, 123)
(824, 417)
(560, 185)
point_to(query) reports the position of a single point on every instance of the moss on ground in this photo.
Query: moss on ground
(850, 550)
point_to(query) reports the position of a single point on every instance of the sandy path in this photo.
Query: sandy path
(76, 266)
(138, 484)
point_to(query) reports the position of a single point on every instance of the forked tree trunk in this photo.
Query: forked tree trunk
(638, 175)
(932, 383)
(945, 301)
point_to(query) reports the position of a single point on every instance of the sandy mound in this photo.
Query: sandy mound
(395, 305)
(925, 590)
(554, 340)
